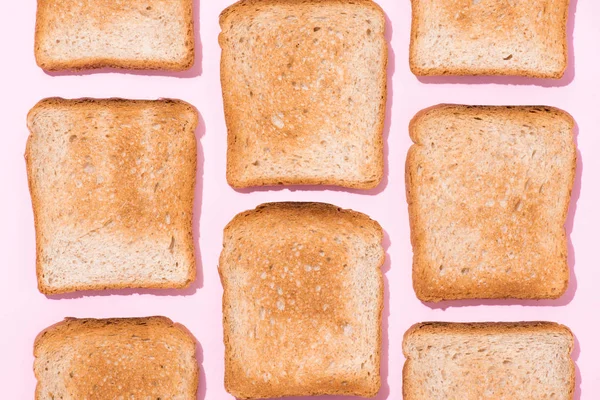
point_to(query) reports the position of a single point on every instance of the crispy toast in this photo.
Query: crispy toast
(112, 186)
(489, 37)
(97, 359)
(488, 361)
(132, 34)
(302, 302)
(304, 92)
(488, 191)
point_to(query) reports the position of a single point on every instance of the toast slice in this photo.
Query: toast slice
(488, 192)
(302, 301)
(489, 37)
(132, 34)
(479, 361)
(112, 186)
(141, 358)
(304, 92)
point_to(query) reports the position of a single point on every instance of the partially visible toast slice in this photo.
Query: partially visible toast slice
(112, 185)
(304, 91)
(489, 37)
(141, 358)
(132, 34)
(302, 301)
(488, 361)
(488, 192)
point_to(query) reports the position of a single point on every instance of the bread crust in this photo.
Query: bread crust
(273, 216)
(429, 283)
(237, 159)
(53, 15)
(188, 174)
(74, 331)
(479, 329)
(457, 10)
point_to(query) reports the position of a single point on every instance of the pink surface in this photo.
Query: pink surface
(24, 311)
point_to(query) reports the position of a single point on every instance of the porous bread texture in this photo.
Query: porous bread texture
(304, 92)
(112, 186)
(302, 301)
(489, 37)
(488, 192)
(133, 358)
(495, 361)
(130, 34)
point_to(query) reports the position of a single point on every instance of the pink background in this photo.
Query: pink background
(24, 311)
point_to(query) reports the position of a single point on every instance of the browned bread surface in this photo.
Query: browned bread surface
(302, 302)
(489, 37)
(131, 34)
(98, 359)
(304, 91)
(488, 191)
(112, 187)
(488, 361)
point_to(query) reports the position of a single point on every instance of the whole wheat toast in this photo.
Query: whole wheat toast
(302, 301)
(112, 186)
(131, 34)
(304, 92)
(489, 37)
(488, 191)
(133, 358)
(488, 361)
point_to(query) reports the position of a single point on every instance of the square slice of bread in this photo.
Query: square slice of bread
(302, 301)
(489, 37)
(121, 358)
(304, 91)
(130, 34)
(112, 185)
(488, 192)
(488, 361)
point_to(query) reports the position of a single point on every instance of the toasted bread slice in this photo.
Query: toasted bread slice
(488, 192)
(488, 361)
(302, 301)
(132, 34)
(94, 359)
(489, 37)
(112, 186)
(304, 91)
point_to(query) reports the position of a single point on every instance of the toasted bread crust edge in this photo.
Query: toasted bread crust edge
(474, 71)
(420, 292)
(478, 328)
(241, 4)
(95, 63)
(56, 329)
(232, 175)
(287, 181)
(368, 391)
(44, 289)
